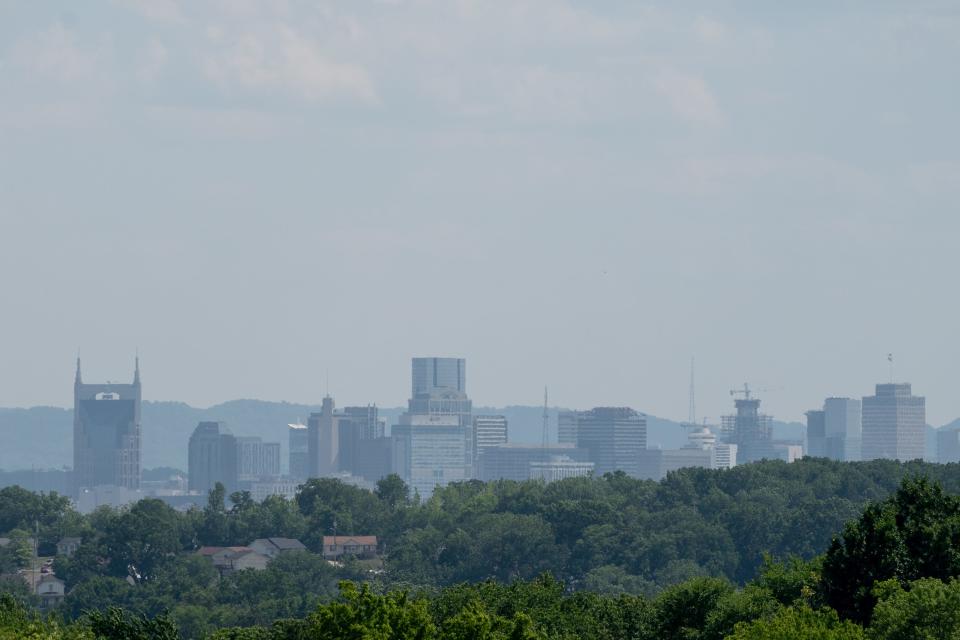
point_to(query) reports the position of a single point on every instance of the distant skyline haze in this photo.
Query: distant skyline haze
(571, 193)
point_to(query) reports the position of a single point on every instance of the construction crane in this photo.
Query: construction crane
(746, 392)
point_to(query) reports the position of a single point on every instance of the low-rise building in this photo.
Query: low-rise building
(273, 547)
(68, 546)
(335, 547)
(227, 560)
(51, 590)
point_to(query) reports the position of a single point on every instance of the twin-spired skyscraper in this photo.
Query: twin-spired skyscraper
(106, 433)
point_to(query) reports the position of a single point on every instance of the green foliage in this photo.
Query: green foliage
(913, 534)
(928, 609)
(682, 610)
(799, 623)
(18, 623)
(362, 615)
(116, 624)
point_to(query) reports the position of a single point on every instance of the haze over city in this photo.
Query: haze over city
(259, 196)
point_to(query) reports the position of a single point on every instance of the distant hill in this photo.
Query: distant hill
(42, 437)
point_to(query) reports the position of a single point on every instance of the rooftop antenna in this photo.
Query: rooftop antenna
(890, 361)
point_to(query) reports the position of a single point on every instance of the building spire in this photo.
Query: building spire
(136, 368)
(77, 379)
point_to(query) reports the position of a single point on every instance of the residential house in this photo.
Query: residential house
(273, 547)
(50, 589)
(226, 560)
(334, 547)
(68, 546)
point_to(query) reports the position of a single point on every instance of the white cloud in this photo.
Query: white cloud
(688, 96)
(55, 53)
(709, 31)
(153, 59)
(154, 10)
(279, 59)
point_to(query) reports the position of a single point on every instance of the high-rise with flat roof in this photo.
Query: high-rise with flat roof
(842, 428)
(257, 459)
(298, 451)
(894, 423)
(212, 458)
(428, 451)
(816, 434)
(106, 433)
(613, 438)
(361, 440)
(488, 431)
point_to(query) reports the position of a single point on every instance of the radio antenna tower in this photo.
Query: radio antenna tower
(692, 410)
(545, 443)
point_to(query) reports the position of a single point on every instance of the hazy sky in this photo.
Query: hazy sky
(578, 194)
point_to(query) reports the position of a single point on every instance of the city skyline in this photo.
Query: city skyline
(607, 190)
(720, 401)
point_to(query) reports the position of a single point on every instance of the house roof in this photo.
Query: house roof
(208, 551)
(359, 540)
(283, 544)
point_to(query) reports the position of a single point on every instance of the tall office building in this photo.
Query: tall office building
(842, 428)
(750, 430)
(298, 448)
(894, 423)
(488, 431)
(257, 459)
(106, 433)
(212, 458)
(361, 440)
(948, 444)
(567, 427)
(816, 434)
(323, 441)
(613, 438)
(439, 388)
(428, 451)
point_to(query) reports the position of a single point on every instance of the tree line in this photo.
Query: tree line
(614, 541)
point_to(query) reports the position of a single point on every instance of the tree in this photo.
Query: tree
(682, 610)
(144, 537)
(393, 491)
(913, 534)
(800, 623)
(360, 614)
(117, 624)
(928, 609)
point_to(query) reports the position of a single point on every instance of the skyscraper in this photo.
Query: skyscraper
(361, 437)
(257, 459)
(488, 431)
(567, 427)
(439, 388)
(212, 458)
(428, 451)
(816, 434)
(298, 451)
(894, 423)
(106, 433)
(613, 438)
(842, 428)
(323, 441)
(750, 430)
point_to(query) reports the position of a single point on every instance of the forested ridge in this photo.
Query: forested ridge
(601, 557)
